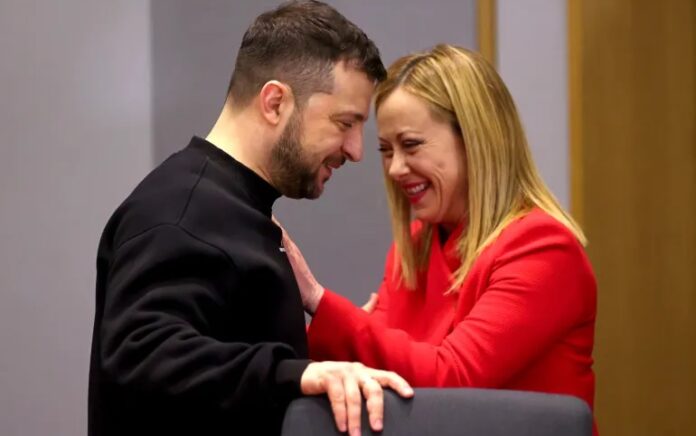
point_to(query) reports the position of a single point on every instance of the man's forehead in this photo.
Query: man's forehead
(350, 104)
(347, 76)
(355, 92)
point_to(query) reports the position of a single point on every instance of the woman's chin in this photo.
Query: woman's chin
(424, 215)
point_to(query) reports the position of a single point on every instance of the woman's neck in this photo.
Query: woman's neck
(444, 233)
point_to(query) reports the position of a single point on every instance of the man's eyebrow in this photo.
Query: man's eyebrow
(357, 116)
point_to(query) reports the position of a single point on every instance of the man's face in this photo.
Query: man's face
(320, 138)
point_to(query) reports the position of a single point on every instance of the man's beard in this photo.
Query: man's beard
(291, 173)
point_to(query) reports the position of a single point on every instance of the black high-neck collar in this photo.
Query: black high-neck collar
(260, 193)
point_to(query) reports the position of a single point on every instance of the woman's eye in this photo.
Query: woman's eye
(410, 143)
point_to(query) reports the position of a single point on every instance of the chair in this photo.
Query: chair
(450, 412)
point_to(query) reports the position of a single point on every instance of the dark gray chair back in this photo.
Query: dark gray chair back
(450, 412)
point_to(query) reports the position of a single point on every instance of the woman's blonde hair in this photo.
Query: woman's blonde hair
(503, 182)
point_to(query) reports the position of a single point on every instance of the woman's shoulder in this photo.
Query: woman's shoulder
(537, 235)
(537, 225)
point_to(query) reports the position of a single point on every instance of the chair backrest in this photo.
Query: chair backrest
(449, 412)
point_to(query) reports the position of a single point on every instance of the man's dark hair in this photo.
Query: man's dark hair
(298, 43)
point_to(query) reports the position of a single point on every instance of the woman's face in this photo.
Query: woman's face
(424, 156)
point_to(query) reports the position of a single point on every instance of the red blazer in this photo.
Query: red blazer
(523, 319)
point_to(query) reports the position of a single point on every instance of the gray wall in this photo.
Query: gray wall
(533, 61)
(75, 124)
(345, 234)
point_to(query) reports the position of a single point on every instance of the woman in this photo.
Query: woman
(489, 286)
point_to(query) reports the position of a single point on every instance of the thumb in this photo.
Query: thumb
(369, 307)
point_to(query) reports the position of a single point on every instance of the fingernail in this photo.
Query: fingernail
(355, 431)
(377, 425)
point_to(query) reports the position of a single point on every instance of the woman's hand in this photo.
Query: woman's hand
(369, 307)
(310, 289)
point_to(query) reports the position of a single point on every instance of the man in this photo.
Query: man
(199, 326)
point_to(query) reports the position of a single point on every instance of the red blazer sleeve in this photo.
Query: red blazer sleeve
(379, 315)
(539, 286)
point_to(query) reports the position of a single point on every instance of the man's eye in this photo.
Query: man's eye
(346, 124)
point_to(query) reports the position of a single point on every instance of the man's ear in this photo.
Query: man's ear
(276, 101)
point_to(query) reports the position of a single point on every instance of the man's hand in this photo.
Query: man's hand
(343, 382)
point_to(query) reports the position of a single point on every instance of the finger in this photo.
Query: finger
(393, 381)
(375, 402)
(353, 403)
(337, 399)
(369, 307)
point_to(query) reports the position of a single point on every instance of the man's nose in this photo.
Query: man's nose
(353, 146)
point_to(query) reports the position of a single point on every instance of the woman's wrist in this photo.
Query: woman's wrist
(313, 301)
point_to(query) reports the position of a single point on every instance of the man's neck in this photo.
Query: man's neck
(236, 134)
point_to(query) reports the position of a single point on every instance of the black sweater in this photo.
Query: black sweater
(199, 327)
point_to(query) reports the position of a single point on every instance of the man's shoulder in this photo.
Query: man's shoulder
(188, 191)
(159, 199)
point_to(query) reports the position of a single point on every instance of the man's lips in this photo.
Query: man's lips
(335, 163)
